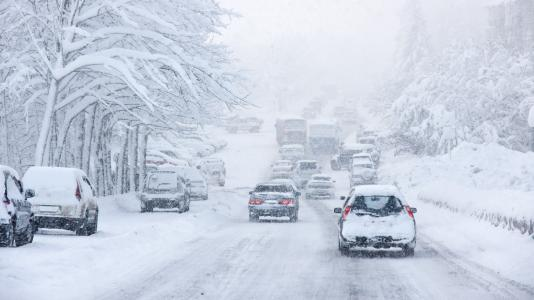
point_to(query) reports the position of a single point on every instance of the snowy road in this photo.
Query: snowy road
(213, 252)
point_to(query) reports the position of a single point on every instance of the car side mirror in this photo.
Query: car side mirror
(343, 198)
(29, 193)
(337, 210)
(413, 209)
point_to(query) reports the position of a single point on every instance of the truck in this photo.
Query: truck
(323, 138)
(291, 130)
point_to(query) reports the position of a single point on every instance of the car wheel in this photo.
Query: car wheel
(409, 251)
(253, 218)
(83, 227)
(93, 227)
(343, 250)
(294, 217)
(10, 240)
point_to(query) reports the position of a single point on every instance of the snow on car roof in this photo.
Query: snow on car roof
(377, 190)
(51, 178)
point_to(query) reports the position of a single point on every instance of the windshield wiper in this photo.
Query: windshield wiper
(366, 213)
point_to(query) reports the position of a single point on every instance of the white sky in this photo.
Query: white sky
(295, 50)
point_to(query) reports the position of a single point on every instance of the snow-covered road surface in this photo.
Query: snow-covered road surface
(213, 252)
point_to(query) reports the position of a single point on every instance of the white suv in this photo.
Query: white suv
(62, 198)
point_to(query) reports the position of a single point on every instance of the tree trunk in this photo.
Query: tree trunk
(142, 158)
(46, 123)
(132, 157)
(89, 133)
(80, 140)
(121, 170)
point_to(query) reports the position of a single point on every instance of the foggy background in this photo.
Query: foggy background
(295, 50)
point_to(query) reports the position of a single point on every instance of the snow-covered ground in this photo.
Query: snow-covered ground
(213, 252)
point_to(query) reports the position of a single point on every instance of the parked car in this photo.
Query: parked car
(16, 218)
(292, 152)
(62, 198)
(362, 173)
(164, 189)
(316, 189)
(214, 170)
(274, 199)
(199, 189)
(376, 218)
(304, 169)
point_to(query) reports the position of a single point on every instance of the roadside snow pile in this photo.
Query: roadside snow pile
(488, 181)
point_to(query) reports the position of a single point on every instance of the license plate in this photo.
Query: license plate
(272, 202)
(49, 209)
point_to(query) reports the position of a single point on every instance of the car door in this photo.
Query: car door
(22, 207)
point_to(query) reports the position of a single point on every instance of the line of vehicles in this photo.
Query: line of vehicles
(373, 217)
(64, 198)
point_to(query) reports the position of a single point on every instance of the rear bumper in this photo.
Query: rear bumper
(163, 203)
(57, 222)
(279, 211)
(377, 243)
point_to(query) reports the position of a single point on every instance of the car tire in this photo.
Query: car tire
(10, 241)
(343, 250)
(409, 251)
(82, 229)
(294, 217)
(253, 218)
(93, 227)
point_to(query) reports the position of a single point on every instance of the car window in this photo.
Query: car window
(273, 188)
(13, 189)
(382, 205)
(87, 189)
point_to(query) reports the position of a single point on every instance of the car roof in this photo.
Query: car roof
(377, 190)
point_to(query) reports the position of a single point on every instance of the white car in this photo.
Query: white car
(361, 158)
(62, 198)
(192, 178)
(376, 217)
(304, 169)
(164, 189)
(362, 173)
(317, 189)
(198, 189)
(214, 170)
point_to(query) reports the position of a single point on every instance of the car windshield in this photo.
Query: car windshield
(381, 205)
(273, 188)
(162, 182)
(308, 165)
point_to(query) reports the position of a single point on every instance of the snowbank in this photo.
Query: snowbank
(488, 182)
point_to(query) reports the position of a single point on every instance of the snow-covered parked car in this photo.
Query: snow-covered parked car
(362, 173)
(318, 189)
(214, 170)
(194, 181)
(376, 218)
(304, 169)
(62, 198)
(16, 218)
(164, 189)
(292, 152)
(274, 199)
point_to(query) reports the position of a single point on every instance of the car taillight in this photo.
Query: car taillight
(345, 213)
(286, 202)
(409, 211)
(255, 202)
(78, 194)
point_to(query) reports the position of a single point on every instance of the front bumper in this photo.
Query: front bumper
(277, 211)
